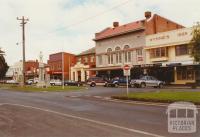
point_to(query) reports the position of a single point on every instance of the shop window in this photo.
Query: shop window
(182, 50)
(185, 75)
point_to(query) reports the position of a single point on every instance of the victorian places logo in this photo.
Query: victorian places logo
(182, 117)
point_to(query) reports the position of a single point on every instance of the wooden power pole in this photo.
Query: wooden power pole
(23, 22)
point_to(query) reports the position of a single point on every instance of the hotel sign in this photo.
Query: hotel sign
(174, 37)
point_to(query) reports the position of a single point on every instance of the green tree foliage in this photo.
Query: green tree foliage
(195, 43)
(3, 65)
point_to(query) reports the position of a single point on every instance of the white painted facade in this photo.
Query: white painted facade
(15, 71)
(135, 41)
(172, 41)
(83, 71)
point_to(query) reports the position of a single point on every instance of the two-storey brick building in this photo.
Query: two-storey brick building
(55, 65)
(124, 44)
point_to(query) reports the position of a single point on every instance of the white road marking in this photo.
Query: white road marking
(97, 96)
(86, 119)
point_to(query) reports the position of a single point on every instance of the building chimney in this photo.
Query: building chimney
(147, 14)
(115, 24)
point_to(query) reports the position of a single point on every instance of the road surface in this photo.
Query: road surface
(88, 113)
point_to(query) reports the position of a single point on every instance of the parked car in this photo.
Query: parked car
(118, 81)
(55, 82)
(35, 80)
(29, 81)
(72, 83)
(97, 81)
(147, 81)
(12, 82)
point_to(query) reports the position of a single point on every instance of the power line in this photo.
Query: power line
(92, 17)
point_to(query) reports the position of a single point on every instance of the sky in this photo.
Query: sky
(70, 25)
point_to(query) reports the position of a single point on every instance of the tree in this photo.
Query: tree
(195, 43)
(3, 65)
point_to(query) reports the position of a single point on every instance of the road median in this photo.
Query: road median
(162, 96)
(34, 88)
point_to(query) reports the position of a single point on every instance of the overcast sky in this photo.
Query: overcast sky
(70, 25)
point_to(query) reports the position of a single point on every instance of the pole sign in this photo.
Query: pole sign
(126, 70)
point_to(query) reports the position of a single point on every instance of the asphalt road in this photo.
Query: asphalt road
(87, 113)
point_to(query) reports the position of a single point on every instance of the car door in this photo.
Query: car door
(148, 81)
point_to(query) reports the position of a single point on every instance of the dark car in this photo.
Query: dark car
(118, 81)
(97, 81)
(72, 83)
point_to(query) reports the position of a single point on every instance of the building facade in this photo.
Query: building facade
(80, 71)
(171, 51)
(15, 71)
(124, 44)
(31, 69)
(55, 65)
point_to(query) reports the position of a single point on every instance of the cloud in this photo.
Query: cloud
(57, 25)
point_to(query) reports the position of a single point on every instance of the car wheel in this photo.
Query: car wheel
(160, 85)
(116, 85)
(132, 85)
(66, 84)
(142, 85)
(92, 85)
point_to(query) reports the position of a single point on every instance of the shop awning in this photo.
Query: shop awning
(105, 68)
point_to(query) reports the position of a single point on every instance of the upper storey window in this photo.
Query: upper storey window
(110, 56)
(127, 54)
(118, 55)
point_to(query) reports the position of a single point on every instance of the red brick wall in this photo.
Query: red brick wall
(89, 60)
(160, 24)
(55, 63)
(31, 65)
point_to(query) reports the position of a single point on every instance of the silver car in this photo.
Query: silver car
(147, 81)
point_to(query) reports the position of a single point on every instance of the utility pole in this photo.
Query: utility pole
(23, 22)
(63, 71)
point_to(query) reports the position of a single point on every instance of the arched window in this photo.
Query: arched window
(118, 55)
(127, 54)
(110, 56)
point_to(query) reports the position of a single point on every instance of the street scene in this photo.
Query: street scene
(124, 68)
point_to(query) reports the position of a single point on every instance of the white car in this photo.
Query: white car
(147, 81)
(11, 82)
(55, 82)
(29, 81)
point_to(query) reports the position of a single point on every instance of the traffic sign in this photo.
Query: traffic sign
(126, 67)
(126, 70)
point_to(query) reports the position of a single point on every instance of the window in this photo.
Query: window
(118, 55)
(127, 54)
(139, 52)
(159, 52)
(110, 56)
(182, 50)
(100, 60)
(79, 59)
(92, 59)
(85, 59)
(185, 74)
